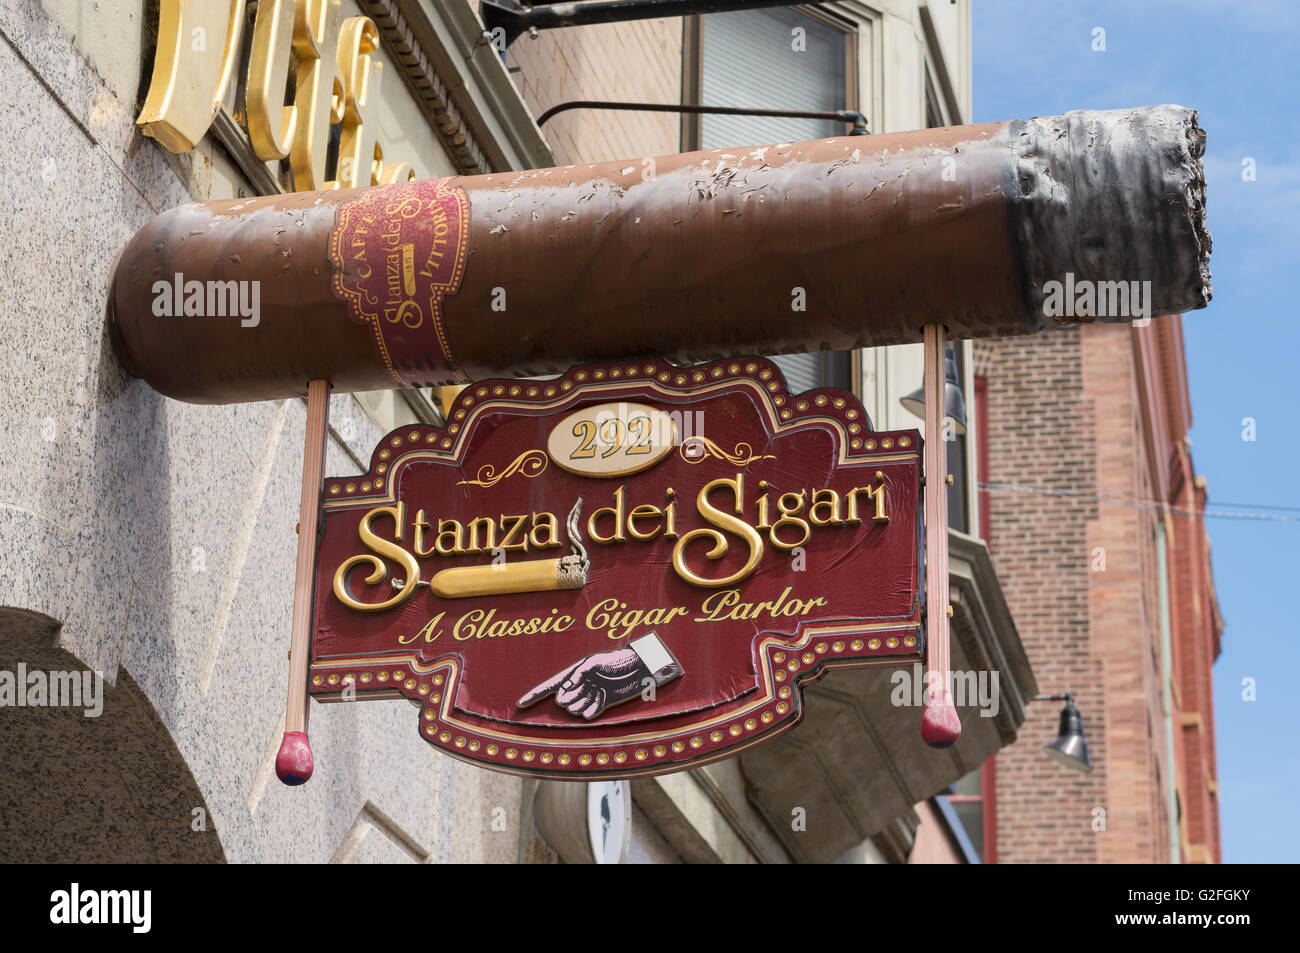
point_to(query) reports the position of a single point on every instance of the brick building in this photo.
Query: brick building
(1091, 511)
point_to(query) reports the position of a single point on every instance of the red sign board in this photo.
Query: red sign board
(626, 570)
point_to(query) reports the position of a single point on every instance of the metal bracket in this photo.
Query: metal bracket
(514, 19)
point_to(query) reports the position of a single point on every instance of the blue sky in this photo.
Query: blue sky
(1236, 63)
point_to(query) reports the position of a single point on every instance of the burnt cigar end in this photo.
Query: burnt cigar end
(1113, 196)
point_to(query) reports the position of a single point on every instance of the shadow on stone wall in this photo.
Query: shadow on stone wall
(113, 788)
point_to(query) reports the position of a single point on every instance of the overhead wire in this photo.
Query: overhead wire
(1210, 511)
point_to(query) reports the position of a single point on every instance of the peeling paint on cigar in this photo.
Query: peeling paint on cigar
(1131, 209)
(650, 267)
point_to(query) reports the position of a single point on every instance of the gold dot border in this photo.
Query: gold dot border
(786, 662)
(819, 403)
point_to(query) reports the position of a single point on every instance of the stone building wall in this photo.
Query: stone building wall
(154, 540)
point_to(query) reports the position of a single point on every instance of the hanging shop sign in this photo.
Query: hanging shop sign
(625, 570)
(571, 578)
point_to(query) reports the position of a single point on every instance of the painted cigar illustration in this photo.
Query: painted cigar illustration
(836, 243)
(499, 579)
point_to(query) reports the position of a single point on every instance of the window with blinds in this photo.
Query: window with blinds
(761, 59)
(776, 59)
(821, 369)
(802, 371)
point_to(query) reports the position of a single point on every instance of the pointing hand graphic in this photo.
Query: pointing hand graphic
(592, 684)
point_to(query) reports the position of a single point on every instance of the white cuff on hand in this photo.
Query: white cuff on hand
(656, 657)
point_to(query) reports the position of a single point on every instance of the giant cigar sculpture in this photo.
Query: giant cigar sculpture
(968, 231)
(692, 257)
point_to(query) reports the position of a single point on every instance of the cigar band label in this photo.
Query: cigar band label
(397, 251)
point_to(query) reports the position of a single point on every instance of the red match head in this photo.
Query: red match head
(294, 763)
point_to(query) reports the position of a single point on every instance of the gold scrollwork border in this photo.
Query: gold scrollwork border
(741, 456)
(530, 463)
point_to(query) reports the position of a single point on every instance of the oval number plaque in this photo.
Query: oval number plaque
(610, 440)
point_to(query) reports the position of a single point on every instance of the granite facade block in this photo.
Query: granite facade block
(156, 542)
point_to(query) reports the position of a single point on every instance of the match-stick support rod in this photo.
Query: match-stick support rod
(294, 763)
(940, 726)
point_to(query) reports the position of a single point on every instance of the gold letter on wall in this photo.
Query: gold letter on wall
(361, 75)
(198, 43)
(271, 124)
(319, 99)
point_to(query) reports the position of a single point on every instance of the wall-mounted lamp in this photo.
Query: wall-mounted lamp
(954, 404)
(1069, 748)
